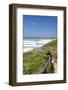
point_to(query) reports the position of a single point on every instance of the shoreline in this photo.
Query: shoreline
(32, 44)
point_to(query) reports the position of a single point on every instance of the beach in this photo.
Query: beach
(30, 44)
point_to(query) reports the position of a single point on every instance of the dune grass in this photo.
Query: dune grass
(37, 57)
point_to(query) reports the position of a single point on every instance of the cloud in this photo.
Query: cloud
(33, 23)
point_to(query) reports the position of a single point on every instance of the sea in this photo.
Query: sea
(30, 44)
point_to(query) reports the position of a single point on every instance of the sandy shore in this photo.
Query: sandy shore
(30, 45)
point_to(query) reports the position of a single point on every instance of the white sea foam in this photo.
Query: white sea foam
(30, 44)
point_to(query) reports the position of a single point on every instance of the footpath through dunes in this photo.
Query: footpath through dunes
(35, 61)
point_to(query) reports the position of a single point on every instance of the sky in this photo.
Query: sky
(40, 26)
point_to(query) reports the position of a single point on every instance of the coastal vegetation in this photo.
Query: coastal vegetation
(34, 62)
